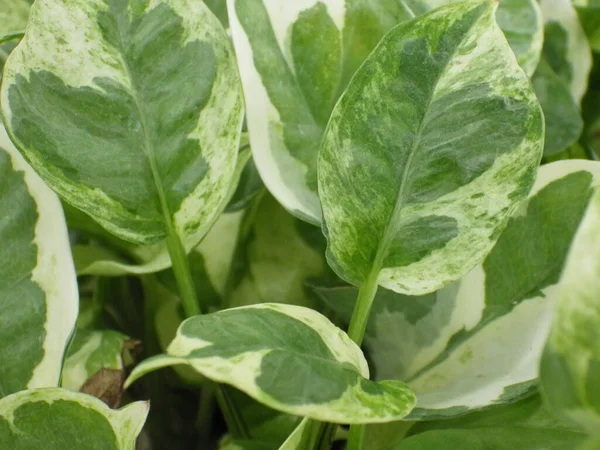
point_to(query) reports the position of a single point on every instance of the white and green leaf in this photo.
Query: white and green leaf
(57, 419)
(38, 286)
(520, 21)
(478, 341)
(566, 47)
(131, 111)
(416, 178)
(570, 367)
(90, 352)
(295, 59)
(289, 358)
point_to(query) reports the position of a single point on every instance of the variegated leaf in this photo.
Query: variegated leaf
(478, 341)
(131, 111)
(92, 351)
(566, 47)
(519, 20)
(295, 59)
(416, 178)
(289, 358)
(570, 367)
(38, 286)
(57, 419)
(268, 273)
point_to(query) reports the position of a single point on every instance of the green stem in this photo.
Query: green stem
(233, 418)
(356, 331)
(356, 438)
(183, 274)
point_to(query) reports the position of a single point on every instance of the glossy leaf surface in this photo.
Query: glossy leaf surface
(38, 286)
(416, 179)
(130, 110)
(289, 358)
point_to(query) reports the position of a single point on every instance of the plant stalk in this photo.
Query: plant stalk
(356, 332)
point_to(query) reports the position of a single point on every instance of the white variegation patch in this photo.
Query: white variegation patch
(54, 272)
(579, 53)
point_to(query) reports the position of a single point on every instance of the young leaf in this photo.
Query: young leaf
(95, 364)
(570, 367)
(289, 358)
(57, 419)
(131, 111)
(38, 286)
(478, 341)
(566, 47)
(416, 178)
(519, 20)
(295, 59)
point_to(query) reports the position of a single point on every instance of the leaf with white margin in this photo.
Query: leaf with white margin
(295, 59)
(566, 47)
(131, 111)
(38, 286)
(289, 358)
(564, 123)
(58, 419)
(90, 352)
(478, 341)
(519, 20)
(570, 367)
(416, 178)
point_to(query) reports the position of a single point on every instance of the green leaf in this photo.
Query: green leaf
(570, 367)
(519, 20)
(265, 271)
(131, 111)
(414, 171)
(38, 286)
(525, 425)
(57, 419)
(589, 16)
(13, 17)
(478, 341)
(90, 352)
(566, 47)
(289, 358)
(295, 60)
(563, 119)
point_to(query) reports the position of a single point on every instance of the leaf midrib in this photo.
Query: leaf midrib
(149, 147)
(391, 226)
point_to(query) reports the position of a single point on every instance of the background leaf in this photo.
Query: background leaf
(295, 60)
(38, 287)
(570, 367)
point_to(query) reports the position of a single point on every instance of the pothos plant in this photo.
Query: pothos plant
(419, 270)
